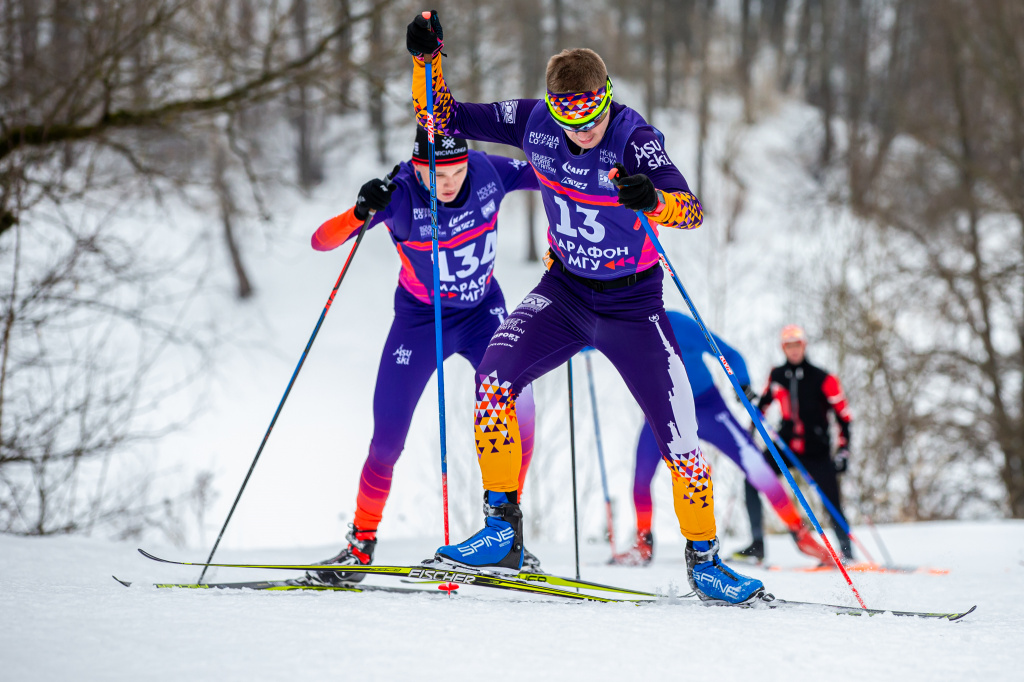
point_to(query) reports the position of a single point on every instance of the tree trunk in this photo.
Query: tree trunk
(531, 68)
(345, 56)
(375, 84)
(310, 168)
(228, 211)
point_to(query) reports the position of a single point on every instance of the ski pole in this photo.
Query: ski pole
(600, 453)
(755, 415)
(291, 382)
(878, 541)
(831, 508)
(437, 293)
(572, 451)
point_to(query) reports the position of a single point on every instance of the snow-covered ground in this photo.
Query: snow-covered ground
(65, 618)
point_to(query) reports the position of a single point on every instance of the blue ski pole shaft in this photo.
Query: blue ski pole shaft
(288, 390)
(437, 295)
(836, 515)
(755, 415)
(600, 454)
(572, 451)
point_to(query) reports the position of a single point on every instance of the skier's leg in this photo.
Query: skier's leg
(541, 334)
(648, 456)
(476, 337)
(406, 365)
(407, 362)
(718, 426)
(635, 335)
(823, 471)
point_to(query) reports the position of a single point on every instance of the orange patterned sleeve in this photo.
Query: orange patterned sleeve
(336, 231)
(681, 210)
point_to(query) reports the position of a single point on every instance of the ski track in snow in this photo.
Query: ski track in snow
(64, 617)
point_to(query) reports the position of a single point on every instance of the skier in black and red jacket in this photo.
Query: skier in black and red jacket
(806, 394)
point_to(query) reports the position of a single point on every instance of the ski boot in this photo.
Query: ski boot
(806, 543)
(359, 552)
(498, 548)
(638, 555)
(753, 553)
(531, 564)
(714, 581)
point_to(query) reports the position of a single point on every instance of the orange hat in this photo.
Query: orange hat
(793, 333)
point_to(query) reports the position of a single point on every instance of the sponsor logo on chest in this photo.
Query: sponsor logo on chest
(545, 164)
(487, 190)
(543, 139)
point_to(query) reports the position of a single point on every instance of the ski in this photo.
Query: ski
(857, 611)
(533, 586)
(557, 581)
(862, 567)
(769, 601)
(292, 585)
(482, 579)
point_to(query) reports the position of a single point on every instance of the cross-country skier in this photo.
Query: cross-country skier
(470, 188)
(715, 425)
(602, 288)
(806, 394)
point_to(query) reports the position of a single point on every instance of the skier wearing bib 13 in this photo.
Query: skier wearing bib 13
(602, 288)
(470, 188)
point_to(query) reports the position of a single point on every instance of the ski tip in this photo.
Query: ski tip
(123, 582)
(958, 616)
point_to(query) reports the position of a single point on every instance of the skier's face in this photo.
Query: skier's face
(589, 139)
(449, 179)
(794, 351)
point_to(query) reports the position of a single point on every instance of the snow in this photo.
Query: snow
(66, 618)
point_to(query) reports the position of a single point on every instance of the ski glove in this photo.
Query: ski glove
(842, 460)
(424, 36)
(636, 192)
(375, 195)
(749, 392)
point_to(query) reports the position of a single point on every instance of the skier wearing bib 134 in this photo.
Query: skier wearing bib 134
(602, 288)
(470, 188)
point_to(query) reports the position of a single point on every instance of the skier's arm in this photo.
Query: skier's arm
(374, 195)
(514, 174)
(833, 391)
(668, 199)
(501, 122)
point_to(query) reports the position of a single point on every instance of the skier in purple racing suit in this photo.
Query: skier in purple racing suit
(470, 188)
(602, 288)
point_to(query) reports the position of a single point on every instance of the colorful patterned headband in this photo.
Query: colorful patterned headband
(578, 108)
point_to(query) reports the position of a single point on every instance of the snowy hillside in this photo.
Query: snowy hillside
(65, 618)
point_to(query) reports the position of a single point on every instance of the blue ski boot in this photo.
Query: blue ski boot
(713, 580)
(498, 548)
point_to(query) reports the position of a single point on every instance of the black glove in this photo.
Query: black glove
(375, 195)
(749, 392)
(841, 460)
(636, 192)
(424, 37)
